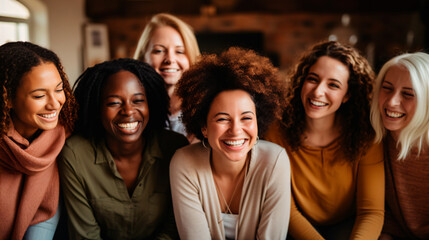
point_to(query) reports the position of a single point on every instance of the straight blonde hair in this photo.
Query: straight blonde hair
(192, 50)
(416, 133)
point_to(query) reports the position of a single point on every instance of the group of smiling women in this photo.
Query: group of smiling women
(331, 152)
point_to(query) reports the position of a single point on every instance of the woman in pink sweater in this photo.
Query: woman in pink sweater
(400, 117)
(37, 109)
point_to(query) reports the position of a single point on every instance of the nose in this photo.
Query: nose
(394, 99)
(53, 102)
(319, 90)
(127, 109)
(170, 57)
(235, 128)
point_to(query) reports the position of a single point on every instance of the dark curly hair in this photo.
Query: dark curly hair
(17, 59)
(357, 132)
(234, 69)
(88, 92)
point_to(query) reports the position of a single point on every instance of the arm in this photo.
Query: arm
(190, 217)
(276, 209)
(300, 227)
(370, 195)
(82, 223)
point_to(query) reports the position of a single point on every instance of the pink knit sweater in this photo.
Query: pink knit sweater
(29, 183)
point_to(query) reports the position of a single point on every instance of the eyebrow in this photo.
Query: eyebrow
(117, 96)
(332, 79)
(407, 88)
(44, 89)
(222, 113)
(160, 45)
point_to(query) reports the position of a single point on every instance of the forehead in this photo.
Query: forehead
(123, 80)
(166, 34)
(398, 76)
(44, 75)
(231, 101)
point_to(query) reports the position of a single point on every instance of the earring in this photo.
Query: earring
(204, 145)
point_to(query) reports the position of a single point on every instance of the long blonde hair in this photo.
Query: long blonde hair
(416, 133)
(192, 50)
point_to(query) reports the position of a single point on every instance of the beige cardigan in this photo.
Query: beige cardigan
(265, 199)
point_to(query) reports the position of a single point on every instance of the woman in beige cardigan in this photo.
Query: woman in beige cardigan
(231, 185)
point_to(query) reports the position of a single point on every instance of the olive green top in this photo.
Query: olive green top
(96, 197)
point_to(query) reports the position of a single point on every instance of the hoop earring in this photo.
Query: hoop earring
(204, 145)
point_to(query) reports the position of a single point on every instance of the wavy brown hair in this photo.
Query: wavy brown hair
(17, 59)
(233, 69)
(356, 130)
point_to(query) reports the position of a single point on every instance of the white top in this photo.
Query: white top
(229, 224)
(264, 203)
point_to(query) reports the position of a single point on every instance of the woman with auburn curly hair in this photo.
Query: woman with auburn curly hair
(169, 45)
(231, 185)
(337, 173)
(37, 112)
(400, 117)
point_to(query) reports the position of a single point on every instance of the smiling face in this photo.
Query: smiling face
(325, 88)
(38, 101)
(397, 101)
(166, 54)
(124, 108)
(232, 126)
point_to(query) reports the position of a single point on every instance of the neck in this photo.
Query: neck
(174, 99)
(124, 151)
(321, 132)
(224, 168)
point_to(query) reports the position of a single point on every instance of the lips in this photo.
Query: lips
(169, 70)
(235, 143)
(393, 114)
(49, 115)
(317, 103)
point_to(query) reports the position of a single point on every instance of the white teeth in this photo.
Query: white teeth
(170, 70)
(394, 114)
(128, 125)
(318, 103)
(49, 115)
(235, 143)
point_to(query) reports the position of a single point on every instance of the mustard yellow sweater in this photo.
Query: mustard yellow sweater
(326, 189)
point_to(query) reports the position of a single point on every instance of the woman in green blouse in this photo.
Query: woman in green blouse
(114, 169)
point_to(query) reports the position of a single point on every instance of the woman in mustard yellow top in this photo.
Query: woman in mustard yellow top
(337, 171)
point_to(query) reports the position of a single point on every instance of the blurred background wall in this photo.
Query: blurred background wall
(279, 29)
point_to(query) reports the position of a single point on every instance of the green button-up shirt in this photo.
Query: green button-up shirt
(96, 197)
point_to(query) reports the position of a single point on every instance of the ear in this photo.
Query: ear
(346, 98)
(204, 131)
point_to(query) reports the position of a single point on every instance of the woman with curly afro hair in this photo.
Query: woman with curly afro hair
(337, 173)
(37, 112)
(114, 169)
(231, 185)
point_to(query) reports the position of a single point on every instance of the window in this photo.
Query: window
(14, 21)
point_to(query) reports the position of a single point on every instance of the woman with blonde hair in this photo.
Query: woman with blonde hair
(169, 45)
(400, 117)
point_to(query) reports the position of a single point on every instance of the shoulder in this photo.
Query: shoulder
(77, 144)
(269, 154)
(168, 142)
(171, 140)
(191, 157)
(374, 154)
(275, 134)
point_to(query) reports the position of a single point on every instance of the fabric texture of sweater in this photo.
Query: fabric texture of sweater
(265, 199)
(407, 193)
(29, 182)
(328, 189)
